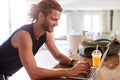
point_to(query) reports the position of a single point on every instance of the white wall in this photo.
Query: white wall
(90, 4)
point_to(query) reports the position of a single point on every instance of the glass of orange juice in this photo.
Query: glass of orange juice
(96, 58)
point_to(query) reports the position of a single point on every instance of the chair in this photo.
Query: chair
(74, 41)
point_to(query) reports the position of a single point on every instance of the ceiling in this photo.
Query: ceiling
(89, 4)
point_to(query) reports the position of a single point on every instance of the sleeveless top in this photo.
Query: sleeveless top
(9, 56)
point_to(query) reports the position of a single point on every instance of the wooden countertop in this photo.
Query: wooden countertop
(109, 71)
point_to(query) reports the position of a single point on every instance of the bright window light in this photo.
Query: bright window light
(18, 13)
(92, 23)
(60, 30)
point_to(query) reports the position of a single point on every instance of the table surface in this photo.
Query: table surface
(109, 71)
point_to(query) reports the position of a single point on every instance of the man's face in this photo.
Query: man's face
(51, 21)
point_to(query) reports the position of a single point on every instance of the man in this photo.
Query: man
(20, 48)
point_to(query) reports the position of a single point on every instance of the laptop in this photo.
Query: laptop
(93, 71)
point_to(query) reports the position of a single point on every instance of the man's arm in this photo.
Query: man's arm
(55, 52)
(22, 41)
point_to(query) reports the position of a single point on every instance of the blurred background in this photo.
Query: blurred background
(82, 18)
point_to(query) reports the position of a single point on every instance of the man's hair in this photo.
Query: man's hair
(44, 6)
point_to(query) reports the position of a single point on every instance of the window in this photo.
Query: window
(60, 33)
(13, 15)
(92, 22)
(18, 13)
(87, 22)
(4, 21)
(60, 30)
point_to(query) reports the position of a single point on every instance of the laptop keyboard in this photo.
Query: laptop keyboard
(85, 76)
(89, 74)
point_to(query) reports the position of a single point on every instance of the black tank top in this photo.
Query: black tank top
(9, 56)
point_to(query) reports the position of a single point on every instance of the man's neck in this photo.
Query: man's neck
(38, 30)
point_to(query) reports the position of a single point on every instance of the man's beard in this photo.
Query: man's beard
(45, 26)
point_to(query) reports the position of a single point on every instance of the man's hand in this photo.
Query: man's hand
(79, 68)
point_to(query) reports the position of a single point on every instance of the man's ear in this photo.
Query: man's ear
(41, 15)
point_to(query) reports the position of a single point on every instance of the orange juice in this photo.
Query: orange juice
(96, 57)
(96, 61)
